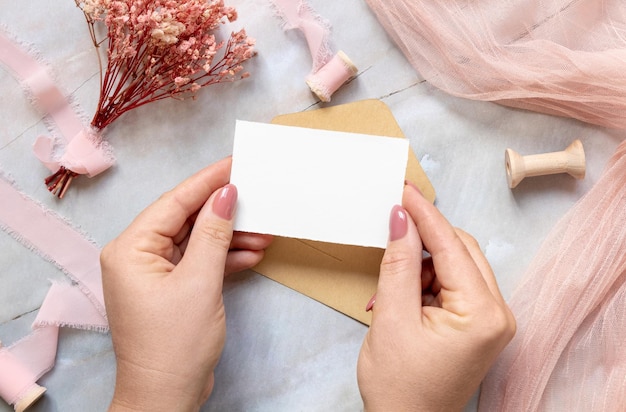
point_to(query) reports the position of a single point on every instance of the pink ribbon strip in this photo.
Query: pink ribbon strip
(85, 152)
(79, 305)
(329, 72)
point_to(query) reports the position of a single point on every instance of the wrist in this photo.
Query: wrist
(140, 389)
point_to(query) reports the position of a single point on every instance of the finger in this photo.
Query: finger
(399, 287)
(183, 233)
(170, 212)
(182, 246)
(250, 241)
(482, 263)
(428, 274)
(238, 260)
(208, 387)
(429, 299)
(209, 242)
(177, 255)
(430, 285)
(241, 241)
(454, 266)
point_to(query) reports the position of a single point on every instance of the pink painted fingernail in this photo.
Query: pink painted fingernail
(370, 304)
(224, 204)
(414, 186)
(398, 223)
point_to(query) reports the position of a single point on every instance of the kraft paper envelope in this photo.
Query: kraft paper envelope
(339, 276)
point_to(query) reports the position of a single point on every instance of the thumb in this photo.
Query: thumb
(211, 235)
(399, 290)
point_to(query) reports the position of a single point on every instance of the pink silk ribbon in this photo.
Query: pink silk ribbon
(85, 152)
(79, 304)
(329, 72)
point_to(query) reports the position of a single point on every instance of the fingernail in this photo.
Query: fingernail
(224, 204)
(397, 223)
(370, 304)
(414, 186)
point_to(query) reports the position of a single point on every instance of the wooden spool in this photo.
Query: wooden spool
(570, 161)
(30, 397)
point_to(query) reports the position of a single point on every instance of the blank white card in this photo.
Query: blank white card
(315, 184)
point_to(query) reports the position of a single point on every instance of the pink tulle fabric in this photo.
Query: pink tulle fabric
(563, 57)
(569, 353)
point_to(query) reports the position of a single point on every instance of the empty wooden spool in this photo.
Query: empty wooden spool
(570, 161)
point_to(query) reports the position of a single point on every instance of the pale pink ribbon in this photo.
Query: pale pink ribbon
(85, 152)
(329, 72)
(79, 305)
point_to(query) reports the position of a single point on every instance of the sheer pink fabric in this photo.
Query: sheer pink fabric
(569, 353)
(563, 57)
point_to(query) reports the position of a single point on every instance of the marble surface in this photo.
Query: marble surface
(284, 351)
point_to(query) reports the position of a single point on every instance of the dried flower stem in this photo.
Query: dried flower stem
(59, 182)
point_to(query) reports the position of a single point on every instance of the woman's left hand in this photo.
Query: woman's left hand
(162, 280)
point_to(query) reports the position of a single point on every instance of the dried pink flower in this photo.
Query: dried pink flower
(158, 49)
(162, 48)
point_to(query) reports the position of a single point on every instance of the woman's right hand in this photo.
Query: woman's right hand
(438, 323)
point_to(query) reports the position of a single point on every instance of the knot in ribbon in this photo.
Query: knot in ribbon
(84, 154)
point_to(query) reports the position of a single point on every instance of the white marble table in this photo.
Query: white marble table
(284, 351)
